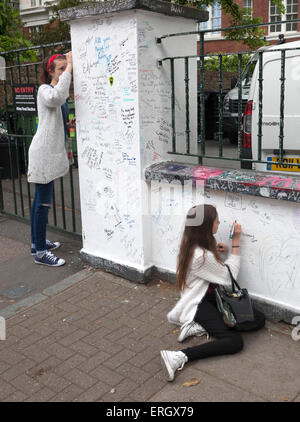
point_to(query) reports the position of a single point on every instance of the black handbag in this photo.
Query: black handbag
(235, 305)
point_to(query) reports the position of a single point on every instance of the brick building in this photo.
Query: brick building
(216, 42)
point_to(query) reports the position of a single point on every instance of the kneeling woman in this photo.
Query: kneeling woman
(199, 270)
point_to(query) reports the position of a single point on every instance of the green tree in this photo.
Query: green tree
(229, 62)
(11, 31)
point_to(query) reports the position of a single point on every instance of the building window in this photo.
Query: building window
(248, 6)
(214, 21)
(35, 3)
(35, 29)
(204, 25)
(291, 13)
(216, 16)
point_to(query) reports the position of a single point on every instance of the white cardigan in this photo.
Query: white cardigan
(198, 278)
(47, 154)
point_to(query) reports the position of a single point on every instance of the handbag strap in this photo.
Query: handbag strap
(233, 281)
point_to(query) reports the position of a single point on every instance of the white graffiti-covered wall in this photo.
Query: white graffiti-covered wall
(123, 109)
(124, 124)
(270, 243)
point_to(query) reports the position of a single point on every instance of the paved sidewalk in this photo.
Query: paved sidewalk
(19, 277)
(94, 336)
(99, 340)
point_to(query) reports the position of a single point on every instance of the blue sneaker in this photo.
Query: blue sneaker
(50, 260)
(49, 245)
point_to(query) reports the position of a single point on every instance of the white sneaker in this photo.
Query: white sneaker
(190, 329)
(172, 362)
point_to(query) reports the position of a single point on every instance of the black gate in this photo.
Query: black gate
(18, 124)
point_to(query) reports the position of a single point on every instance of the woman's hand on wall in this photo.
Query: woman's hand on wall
(237, 232)
(236, 238)
(69, 59)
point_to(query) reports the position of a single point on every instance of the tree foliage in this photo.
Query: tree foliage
(11, 31)
(229, 62)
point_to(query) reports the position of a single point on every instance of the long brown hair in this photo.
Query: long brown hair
(197, 234)
(44, 75)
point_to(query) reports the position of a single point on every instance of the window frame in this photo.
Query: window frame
(249, 8)
(35, 29)
(283, 29)
(209, 24)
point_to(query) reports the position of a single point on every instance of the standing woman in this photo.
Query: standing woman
(199, 271)
(48, 158)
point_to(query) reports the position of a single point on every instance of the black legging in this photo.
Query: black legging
(229, 340)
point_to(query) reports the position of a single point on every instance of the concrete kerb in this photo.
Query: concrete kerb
(36, 298)
(57, 288)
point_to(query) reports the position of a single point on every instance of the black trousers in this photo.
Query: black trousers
(228, 340)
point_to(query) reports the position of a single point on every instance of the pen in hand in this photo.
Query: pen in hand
(232, 230)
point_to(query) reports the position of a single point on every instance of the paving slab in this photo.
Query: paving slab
(20, 277)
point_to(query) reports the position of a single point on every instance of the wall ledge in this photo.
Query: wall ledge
(158, 6)
(249, 182)
(124, 271)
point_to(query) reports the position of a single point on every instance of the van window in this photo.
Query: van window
(248, 72)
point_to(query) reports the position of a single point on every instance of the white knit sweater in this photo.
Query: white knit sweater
(48, 158)
(198, 278)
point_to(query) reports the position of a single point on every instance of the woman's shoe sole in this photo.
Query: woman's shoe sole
(166, 372)
(49, 265)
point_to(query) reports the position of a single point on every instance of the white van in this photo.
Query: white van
(271, 111)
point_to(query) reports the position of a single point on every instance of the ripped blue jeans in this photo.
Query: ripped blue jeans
(39, 215)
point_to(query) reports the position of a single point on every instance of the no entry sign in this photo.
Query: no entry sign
(25, 98)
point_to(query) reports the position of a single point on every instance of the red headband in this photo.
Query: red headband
(51, 60)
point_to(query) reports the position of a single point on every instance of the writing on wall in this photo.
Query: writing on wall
(106, 100)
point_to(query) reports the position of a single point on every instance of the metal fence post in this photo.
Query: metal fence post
(187, 105)
(1, 191)
(202, 99)
(240, 105)
(282, 88)
(220, 107)
(260, 104)
(173, 105)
